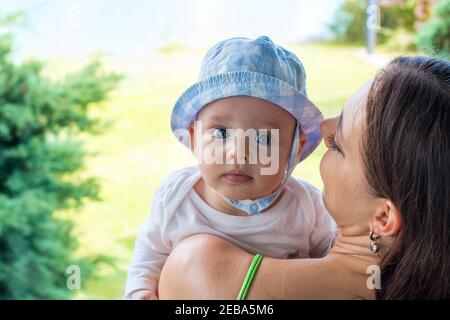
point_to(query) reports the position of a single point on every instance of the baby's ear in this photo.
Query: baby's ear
(191, 136)
(302, 142)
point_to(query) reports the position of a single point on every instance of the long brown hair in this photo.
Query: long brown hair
(406, 152)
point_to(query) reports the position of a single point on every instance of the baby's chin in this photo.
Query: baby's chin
(241, 192)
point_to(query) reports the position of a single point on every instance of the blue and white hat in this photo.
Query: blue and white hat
(257, 68)
(261, 69)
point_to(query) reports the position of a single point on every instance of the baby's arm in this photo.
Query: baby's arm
(322, 236)
(150, 253)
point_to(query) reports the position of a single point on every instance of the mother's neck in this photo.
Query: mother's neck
(351, 257)
(352, 240)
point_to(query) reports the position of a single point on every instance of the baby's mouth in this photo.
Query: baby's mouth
(237, 176)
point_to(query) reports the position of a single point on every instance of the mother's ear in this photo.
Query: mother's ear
(388, 220)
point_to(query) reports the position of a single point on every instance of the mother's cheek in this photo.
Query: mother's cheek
(327, 172)
(325, 164)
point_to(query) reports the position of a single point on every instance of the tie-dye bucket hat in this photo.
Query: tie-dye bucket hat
(257, 68)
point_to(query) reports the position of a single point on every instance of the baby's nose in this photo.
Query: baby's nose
(238, 150)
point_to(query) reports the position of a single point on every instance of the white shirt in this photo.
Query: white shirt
(298, 226)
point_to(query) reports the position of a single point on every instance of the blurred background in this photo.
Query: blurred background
(86, 91)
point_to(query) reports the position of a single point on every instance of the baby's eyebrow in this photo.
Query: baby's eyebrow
(261, 123)
(270, 123)
(218, 118)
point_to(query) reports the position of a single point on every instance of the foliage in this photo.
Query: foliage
(40, 156)
(434, 37)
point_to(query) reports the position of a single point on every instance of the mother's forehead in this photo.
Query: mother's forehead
(353, 111)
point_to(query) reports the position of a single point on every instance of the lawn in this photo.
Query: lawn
(138, 149)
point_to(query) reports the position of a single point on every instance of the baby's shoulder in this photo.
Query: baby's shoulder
(305, 193)
(180, 175)
(176, 179)
(304, 188)
(176, 185)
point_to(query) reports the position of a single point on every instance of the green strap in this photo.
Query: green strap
(249, 277)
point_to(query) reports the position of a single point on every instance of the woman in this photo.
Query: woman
(386, 184)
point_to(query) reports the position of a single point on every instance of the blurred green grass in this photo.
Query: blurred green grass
(138, 150)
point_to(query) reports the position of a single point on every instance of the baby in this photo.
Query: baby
(249, 91)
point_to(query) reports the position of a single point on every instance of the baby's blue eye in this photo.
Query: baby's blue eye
(263, 139)
(220, 133)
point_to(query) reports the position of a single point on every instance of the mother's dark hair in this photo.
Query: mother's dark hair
(406, 152)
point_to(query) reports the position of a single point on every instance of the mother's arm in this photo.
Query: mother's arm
(203, 267)
(206, 267)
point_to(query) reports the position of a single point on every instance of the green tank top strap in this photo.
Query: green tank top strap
(249, 277)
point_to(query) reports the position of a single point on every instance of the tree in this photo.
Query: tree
(397, 21)
(40, 155)
(349, 22)
(434, 37)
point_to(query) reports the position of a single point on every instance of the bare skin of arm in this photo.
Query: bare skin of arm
(207, 267)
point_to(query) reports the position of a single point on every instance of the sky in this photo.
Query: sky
(80, 27)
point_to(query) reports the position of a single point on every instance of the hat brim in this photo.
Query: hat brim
(253, 84)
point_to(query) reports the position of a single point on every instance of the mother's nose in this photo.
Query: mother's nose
(329, 125)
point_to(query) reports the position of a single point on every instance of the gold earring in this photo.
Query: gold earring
(373, 244)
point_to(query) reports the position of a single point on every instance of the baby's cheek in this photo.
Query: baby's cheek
(271, 180)
(209, 172)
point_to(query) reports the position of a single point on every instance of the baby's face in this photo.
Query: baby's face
(250, 140)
